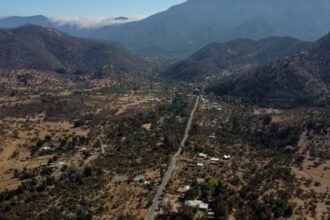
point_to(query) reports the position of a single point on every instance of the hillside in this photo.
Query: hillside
(237, 54)
(302, 78)
(187, 27)
(35, 47)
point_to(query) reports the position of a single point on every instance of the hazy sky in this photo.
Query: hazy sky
(104, 8)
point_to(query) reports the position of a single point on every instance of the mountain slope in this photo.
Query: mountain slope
(217, 57)
(41, 48)
(300, 78)
(185, 28)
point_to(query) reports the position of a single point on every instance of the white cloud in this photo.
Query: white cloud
(92, 22)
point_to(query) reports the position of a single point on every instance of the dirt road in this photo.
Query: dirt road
(155, 204)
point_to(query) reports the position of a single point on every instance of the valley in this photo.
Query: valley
(111, 142)
(207, 110)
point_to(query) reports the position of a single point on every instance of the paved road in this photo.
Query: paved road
(169, 172)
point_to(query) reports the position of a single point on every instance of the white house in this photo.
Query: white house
(197, 204)
(215, 159)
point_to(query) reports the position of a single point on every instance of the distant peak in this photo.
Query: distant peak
(121, 18)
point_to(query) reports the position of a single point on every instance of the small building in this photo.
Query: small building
(214, 160)
(147, 183)
(289, 149)
(52, 165)
(226, 157)
(200, 164)
(210, 215)
(202, 155)
(200, 180)
(197, 204)
(184, 189)
(61, 164)
(45, 147)
(203, 206)
(139, 179)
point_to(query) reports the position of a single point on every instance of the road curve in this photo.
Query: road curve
(169, 172)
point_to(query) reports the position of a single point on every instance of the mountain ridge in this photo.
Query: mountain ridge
(218, 57)
(36, 47)
(301, 78)
(178, 31)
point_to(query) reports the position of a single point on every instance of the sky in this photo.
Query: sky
(84, 8)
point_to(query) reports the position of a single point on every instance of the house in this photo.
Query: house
(226, 157)
(197, 204)
(201, 155)
(214, 160)
(200, 165)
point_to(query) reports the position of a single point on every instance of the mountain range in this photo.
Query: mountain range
(301, 78)
(234, 56)
(185, 28)
(35, 47)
